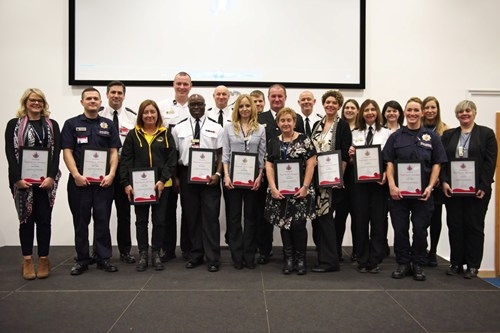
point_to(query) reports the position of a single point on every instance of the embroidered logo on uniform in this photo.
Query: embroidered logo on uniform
(104, 125)
(426, 137)
(81, 129)
(210, 131)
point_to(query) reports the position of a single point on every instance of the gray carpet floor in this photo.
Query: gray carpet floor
(259, 300)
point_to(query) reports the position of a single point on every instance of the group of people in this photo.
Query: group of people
(163, 138)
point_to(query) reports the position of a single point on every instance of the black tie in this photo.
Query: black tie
(369, 136)
(115, 120)
(308, 128)
(197, 129)
(221, 118)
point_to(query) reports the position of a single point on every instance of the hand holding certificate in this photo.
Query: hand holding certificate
(95, 164)
(143, 184)
(201, 165)
(34, 164)
(409, 178)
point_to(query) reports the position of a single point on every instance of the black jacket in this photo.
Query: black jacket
(138, 153)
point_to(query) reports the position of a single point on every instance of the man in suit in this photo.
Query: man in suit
(306, 102)
(277, 98)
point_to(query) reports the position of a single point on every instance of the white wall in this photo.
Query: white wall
(413, 48)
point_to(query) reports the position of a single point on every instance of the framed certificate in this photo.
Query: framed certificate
(463, 177)
(34, 164)
(288, 175)
(244, 169)
(143, 182)
(329, 169)
(410, 178)
(95, 164)
(201, 165)
(368, 164)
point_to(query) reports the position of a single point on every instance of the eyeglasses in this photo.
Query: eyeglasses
(33, 101)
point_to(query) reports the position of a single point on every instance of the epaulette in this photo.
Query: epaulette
(212, 120)
(183, 120)
(101, 108)
(209, 109)
(131, 111)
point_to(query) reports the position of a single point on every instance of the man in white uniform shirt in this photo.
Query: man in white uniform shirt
(173, 111)
(124, 119)
(201, 201)
(221, 113)
(306, 102)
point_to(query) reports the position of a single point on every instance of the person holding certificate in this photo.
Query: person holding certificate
(331, 133)
(414, 155)
(291, 157)
(32, 147)
(472, 144)
(149, 146)
(243, 135)
(90, 146)
(370, 195)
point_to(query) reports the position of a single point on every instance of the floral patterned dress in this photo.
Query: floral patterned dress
(282, 212)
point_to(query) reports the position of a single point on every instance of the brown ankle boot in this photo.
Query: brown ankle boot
(43, 267)
(28, 269)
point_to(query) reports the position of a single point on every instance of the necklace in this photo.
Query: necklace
(284, 149)
(322, 137)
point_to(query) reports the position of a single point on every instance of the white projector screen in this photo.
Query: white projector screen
(251, 43)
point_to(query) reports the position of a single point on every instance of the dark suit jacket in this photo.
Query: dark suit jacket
(482, 148)
(266, 118)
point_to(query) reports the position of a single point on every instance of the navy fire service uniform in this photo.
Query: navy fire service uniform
(78, 133)
(413, 145)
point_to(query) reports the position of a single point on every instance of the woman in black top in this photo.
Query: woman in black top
(33, 199)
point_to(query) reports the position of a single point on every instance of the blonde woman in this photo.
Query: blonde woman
(246, 135)
(33, 128)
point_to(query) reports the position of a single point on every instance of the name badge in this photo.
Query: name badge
(82, 140)
(81, 129)
(195, 143)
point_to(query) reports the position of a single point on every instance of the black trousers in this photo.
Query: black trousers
(122, 206)
(265, 230)
(170, 236)
(241, 239)
(158, 219)
(342, 206)
(201, 207)
(465, 219)
(369, 216)
(85, 203)
(421, 212)
(326, 241)
(436, 223)
(41, 215)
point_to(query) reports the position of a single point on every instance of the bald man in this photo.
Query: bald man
(306, 102)
(221, 112)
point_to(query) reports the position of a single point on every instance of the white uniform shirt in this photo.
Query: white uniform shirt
(379, 137)
(183, 132)
(313, 118)
(126, 120)
(172, 112)
(214, 114)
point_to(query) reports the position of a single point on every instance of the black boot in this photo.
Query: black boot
(143, 261)
(287, 251)
(156, 261)
(301, 262)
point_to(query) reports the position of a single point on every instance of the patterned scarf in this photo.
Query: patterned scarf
(25, 136)
(324, 195)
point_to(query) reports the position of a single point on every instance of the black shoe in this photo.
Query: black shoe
(213, 268)
(354, 257)
(301, 267)
(471, 273)
(192, 264)
(238, 265)
(362, 269)
(288, 267)
(127, 258)
(250, 265)
(107, 266)
(78, 269)
(323, 269)
(374, 270)
(454, 270)
(401, 271)
(418, 273)
(165, 257)
(143, 262)
(432, 259)
(262, 259)
(156, 262)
